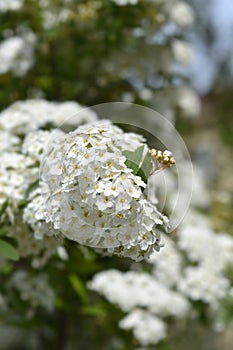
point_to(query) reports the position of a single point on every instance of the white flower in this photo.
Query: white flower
(17, 54)
(147, 328)
(34, 144)
(16, 175)
(198, 241)
(8, 141)
(54, 16)
(203, 245)
(25, 116)
(62, 253)
(182, 14)
(137, 289)
(35, 290)
(97, 196)
(182, 51)
(146, 94)
(167, 264)
(34, 215)
(145, 299)
(125, 2)
(19, 175)
(10, 5)
(204, 283)
(188, 102)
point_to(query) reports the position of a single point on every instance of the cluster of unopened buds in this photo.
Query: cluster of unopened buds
(161, 159)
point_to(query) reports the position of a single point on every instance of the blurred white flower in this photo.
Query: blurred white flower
(188, 102)
(125, 2)
(145, 299)
(167, 264)
(10, 5)
(182, 51)
(8, 141)
(181, 13)
(17, 54)
(202, 245)
(62, 253)
(35, 290)
(189, 270)
(147, 328)
(16, 175)
(204, 283)
(53, 16)
(146, 94)
(139, 289)
(25, 116)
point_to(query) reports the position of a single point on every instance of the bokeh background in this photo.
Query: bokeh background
(175, 57)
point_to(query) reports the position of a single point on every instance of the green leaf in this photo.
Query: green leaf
(7, 268)
(145, 169)
(79, 288)
(27, 324)
(22, 203)
(32, 187)
(3, 208)
(95, 310)
(61, 304)
(3, 230)
(141, 167)
(8, 251)
(134, 159)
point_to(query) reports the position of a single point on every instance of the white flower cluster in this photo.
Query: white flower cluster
(188, 102)
(136, 290)
(125, 2)
(206, 280)
(192, 268)
(25, 116)
(182, 51)
(17, 54)
(8, 141)
(167, 266)
(94, 198)
(172, 285)
(203, 278)
(181, 13)
(10, 5)
(147, 328)
(35, 290)
(16, 175)
(53, 16)
(141, 295)
(19, 172)
(30, 243)
(87, 193)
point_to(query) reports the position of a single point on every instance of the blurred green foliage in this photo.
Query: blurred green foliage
(87, 56)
